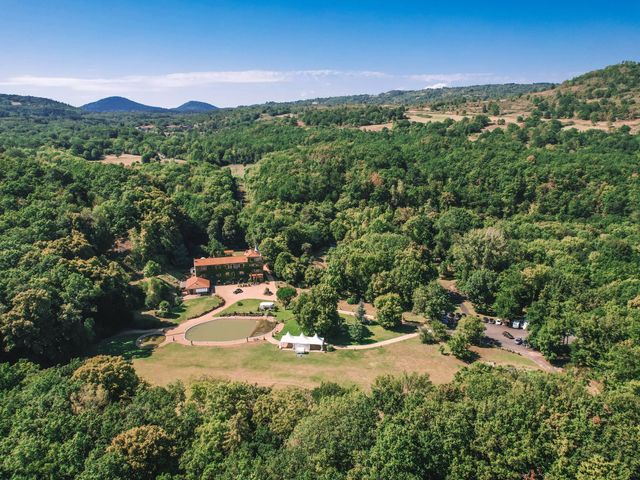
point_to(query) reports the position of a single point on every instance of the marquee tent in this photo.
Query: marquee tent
(301, 343)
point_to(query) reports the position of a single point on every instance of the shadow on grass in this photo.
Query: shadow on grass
(146, 321)
(470, 357)
(122, 345)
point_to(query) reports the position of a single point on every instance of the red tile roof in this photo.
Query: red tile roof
(196, 282)
(226, 260)
(206, 262)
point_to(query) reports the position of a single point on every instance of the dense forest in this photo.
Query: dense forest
(97, 420)
(532, 221)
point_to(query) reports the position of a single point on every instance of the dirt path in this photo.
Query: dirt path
(494, 332)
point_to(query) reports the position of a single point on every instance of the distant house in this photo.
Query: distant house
(196, 286)
(245, 266)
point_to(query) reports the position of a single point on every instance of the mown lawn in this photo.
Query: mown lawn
(196, 307)
(375, 333)
(264, 364)
(243, 306)
(192, 308)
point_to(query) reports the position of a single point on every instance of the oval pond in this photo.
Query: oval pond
(222, 330)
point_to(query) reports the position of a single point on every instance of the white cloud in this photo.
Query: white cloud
(436, 85)
(181, 80)
(451, 77)
(234, 87)
(191, 79)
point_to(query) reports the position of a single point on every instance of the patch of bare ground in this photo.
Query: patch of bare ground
(237, 169)
(376, 128)
(128, 160)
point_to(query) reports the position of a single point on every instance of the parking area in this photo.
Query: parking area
(495, 333)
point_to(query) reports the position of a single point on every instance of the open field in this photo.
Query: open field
(128, 160)
(422, 116)
(509, 116)
(264, 364)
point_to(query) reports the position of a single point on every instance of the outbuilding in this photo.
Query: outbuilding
(266, 306)
(197, 286)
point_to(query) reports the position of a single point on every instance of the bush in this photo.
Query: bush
(357, 332)
(163, 308)
(426, 336)
(352, 300)
(151, 269)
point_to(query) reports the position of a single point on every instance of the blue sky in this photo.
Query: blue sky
(229, 53)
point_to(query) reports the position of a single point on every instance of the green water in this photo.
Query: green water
(222, 330)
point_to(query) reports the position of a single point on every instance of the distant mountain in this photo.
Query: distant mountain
(119, 104)
(195, 107)
(20, 105)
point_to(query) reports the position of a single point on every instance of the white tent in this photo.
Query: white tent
(301, 343)
(266, 306)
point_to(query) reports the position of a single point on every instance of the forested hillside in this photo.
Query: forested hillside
(608, 94)
(532, 220)
(445, 95)
(97, 420)
(24, 106)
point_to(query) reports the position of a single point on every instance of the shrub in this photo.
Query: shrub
(357, 332)
(151, 269)
(426, 336)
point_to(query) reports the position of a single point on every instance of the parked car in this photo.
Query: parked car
(485, 319)
(492, 321)
(498, 321)
(237, 290)
(518, 341)
(508, 335)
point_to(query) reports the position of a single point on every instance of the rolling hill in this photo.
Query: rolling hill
(431, 95)
(122, 104)
(119, 104)
(20, 106)
(194, 106)
(610, 93)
